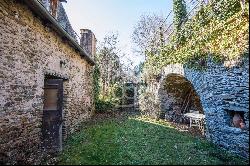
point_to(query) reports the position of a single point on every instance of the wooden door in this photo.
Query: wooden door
(52, 115)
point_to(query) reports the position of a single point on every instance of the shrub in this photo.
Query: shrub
(102, 106)
(110, 101)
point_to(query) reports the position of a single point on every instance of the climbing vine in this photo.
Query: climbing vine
(219, 29)
(180, 15)
(96, 82)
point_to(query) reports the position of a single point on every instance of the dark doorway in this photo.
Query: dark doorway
(52, 115)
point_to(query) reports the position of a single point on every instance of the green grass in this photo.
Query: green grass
(138, 141)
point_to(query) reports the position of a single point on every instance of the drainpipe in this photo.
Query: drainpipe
(40, 10)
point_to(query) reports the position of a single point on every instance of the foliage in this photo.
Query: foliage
(141, 141)
(139, 69)
(100, 105)
(110, 100)
(96, 82)
(108, 59)
(129, 94)
(147, 34)
(180, 13)
(111, 74)
(114, 94)
(117, 90)
(103, 105)
(107, 74)
(219, 30)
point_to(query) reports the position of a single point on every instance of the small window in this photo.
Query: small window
(50, 99)
(237, 119)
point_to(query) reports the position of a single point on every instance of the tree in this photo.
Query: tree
(149, 33)
(109, 61)
(110, 74)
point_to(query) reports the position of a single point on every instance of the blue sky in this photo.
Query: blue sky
(104, 16)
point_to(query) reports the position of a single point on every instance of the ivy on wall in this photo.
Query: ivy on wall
(180, 13)
(96, 82)
(219, 29)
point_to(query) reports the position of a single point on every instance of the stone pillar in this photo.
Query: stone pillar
(88, 41)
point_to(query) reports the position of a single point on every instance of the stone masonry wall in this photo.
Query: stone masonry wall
(227, 90)
(222, 91)
(28, 51)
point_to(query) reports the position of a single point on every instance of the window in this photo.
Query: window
(236, 119)
(50, 99)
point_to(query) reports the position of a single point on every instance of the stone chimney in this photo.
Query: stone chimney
(88, 41)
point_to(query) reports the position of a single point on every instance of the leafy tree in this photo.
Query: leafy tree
(109, 61)
(110, 74)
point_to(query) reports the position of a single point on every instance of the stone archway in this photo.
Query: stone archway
(223, 92)
(177, 96)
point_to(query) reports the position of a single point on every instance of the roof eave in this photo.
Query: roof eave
(38, 8)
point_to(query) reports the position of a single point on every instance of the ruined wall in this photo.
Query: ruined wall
(222, 91)
(227, 90)
(28, 51)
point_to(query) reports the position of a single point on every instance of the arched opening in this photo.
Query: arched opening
(178, 97)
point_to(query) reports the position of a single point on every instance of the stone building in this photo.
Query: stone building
(45, 81)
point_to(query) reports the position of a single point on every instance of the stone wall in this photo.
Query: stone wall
(222, 91)
(28, 51)
(227, 90)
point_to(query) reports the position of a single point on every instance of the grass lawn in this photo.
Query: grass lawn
(140, 141)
